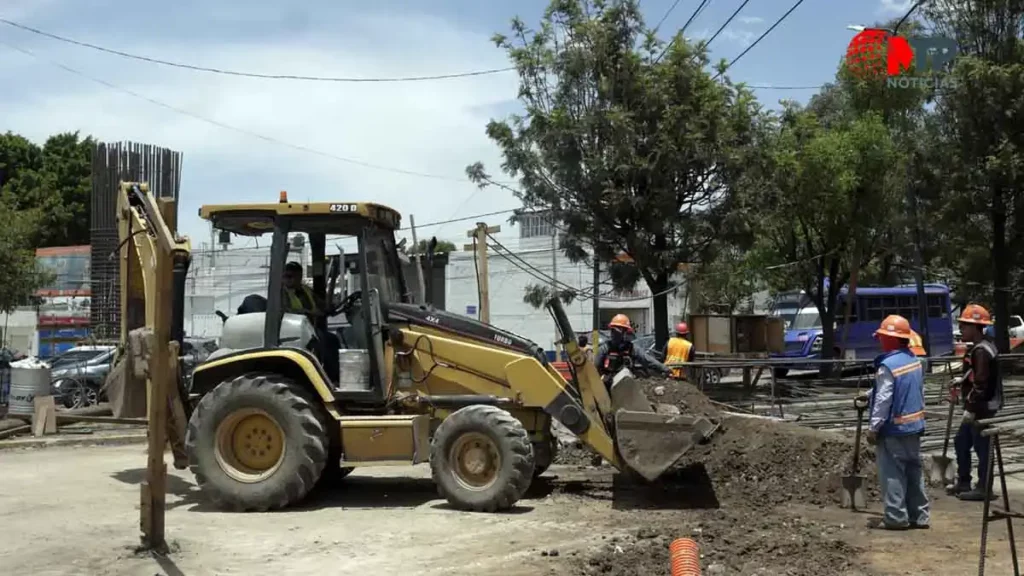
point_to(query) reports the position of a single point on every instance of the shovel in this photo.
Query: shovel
(941, 473)
(853, 483)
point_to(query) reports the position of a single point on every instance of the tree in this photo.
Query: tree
(54, 180)
(443, 247)
(627, 143)
(835, 193)
(19, 275)
(982, 145)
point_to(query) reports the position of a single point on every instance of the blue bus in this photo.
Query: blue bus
(872, 304)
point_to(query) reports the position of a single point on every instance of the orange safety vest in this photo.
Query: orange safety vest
(916, 344)
(678, 352)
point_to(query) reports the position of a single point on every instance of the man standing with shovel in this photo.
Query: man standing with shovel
(896, 407)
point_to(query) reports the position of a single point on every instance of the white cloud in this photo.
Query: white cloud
(895, 6)
(742, 37)
(431, 127)
(751, 19)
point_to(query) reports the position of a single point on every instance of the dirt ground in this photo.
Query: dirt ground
(762, 499)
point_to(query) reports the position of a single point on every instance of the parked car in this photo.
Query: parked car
(77, 375)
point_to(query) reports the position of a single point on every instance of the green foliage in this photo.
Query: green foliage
(628, 151)
(443, 247)
(835, 192)
(19, 275)
(54, 181)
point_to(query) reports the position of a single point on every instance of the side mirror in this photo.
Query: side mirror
(223, 316)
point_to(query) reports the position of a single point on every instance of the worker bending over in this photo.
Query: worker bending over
(981, 388)
(679, 349)
(896, 406)
(618, 351)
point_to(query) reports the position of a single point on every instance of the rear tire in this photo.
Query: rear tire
(257, 443)
(481, 459)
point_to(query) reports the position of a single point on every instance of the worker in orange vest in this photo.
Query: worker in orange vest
(679, 350)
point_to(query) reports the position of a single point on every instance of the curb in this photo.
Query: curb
(59, 442)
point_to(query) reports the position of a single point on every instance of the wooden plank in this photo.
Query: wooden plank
(44, 419)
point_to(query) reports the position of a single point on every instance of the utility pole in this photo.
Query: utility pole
(554, 278)
(419, 261)
(480, 233)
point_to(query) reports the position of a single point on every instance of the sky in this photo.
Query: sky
(245, 139)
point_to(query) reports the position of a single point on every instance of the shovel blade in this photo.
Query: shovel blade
(853, 495)
(941, 470)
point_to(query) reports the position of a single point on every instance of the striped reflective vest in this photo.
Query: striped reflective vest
(906, 415)
(677, 352)
(299, 301)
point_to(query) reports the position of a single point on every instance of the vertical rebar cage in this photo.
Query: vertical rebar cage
(113, 163)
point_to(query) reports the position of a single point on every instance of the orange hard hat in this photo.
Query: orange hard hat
(975, 314)
(621, 321)
(895, 326)
(682, 328)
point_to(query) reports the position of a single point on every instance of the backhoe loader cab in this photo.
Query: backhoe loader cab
(370, 378)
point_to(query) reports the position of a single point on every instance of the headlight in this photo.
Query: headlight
(816, 345)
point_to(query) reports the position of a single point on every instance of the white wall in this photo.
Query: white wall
(19, 331)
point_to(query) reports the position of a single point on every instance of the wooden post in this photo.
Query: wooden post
(481, 232)
(419, 261)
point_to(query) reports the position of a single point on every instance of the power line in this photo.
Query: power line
(907, 15)
(665, 16)
(759, 38)
(696, 12)
(243, 131)
(226, 72)
(727, 22)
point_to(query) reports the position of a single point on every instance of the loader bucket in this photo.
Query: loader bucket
(648, 442)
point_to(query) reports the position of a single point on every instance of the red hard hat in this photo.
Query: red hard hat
(621, 321)
(682, 328)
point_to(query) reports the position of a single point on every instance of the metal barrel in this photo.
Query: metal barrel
(26, 384)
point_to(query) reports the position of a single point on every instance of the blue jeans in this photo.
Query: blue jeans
(899, 472)
(968, 437)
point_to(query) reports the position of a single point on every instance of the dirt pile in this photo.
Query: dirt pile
(740, 497)
(729, 544)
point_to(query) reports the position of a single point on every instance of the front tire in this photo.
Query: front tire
(256, 443)
(481, 459)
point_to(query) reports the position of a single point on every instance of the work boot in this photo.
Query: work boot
(958, 488)
(974, 495)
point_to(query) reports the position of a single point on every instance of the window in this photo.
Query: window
(938, 306)
(381, 265)
(535, 226)
(874, 308)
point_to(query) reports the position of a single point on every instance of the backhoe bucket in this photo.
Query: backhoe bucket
(649, 442)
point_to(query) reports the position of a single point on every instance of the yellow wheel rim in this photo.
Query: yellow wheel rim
(250, 445)
(476, 461)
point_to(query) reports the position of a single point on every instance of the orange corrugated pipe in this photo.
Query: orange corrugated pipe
(685, 557)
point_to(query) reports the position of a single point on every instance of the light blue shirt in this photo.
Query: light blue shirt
(884, 383)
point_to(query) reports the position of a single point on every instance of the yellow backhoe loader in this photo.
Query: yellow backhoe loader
(371, 378)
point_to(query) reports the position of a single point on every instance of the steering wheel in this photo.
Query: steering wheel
(346, 304)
